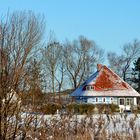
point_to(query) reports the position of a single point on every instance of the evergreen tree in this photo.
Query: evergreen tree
(136, 74)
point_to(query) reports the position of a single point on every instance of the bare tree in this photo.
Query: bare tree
(20, 33)
(80, 58)
(51, 60)
(116, 62)
(122, 63)
(61, 74)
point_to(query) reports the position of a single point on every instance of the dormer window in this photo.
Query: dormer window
(89, 87)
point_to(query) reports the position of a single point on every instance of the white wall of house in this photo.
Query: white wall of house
(125, 103)
(91, 100)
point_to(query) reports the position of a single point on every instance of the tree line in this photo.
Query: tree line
(30, 63)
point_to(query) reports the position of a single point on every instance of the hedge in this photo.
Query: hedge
(80, 108)
(74, 108)
(50, 108)
(91, 108)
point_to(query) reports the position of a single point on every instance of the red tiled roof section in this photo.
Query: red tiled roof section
(107, 80)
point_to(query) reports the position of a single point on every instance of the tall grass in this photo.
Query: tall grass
(84, 127)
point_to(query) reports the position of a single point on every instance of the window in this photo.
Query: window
(104, 100)
(122, 101)
(129, 101)
(89, 87)
(111, 100)
(96, 99)
(115, 101)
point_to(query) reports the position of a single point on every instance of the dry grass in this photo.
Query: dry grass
(73, 127)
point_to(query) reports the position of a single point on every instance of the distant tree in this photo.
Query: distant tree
(116, 62)
(81, 56)
(136, 74)
(121, 64)
(61, 74)
(52, 63)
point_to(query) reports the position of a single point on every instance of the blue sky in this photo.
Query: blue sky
(110, 23)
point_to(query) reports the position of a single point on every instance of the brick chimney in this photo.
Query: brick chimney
(99, 66)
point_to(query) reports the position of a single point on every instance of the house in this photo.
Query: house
(106, 87)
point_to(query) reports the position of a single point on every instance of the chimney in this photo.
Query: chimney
(99, 66)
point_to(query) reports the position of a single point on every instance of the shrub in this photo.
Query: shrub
(51, 108)
(80, 108)
(135, 109)
(107, 108)
(114, 108)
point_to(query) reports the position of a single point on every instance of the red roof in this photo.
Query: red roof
(107, 80)
(105, 83)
